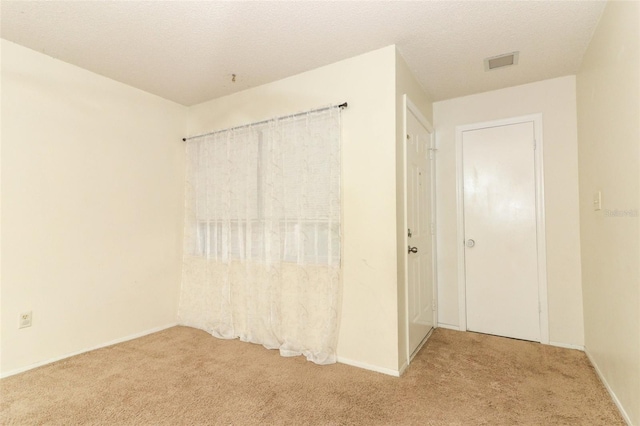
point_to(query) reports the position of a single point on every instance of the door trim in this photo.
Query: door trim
(411, 107)
(540, 218)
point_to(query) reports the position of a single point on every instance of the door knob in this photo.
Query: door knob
(470, 243)
(413, 249)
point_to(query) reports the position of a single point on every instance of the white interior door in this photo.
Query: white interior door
(501, 263)
(420, 271)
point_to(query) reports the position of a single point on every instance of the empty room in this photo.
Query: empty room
(320, 212)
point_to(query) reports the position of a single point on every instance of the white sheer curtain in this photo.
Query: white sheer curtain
(262, 235)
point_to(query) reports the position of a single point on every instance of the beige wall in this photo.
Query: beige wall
(608, 92)
(555, 99)
(368, 326)
(92, 181)
(92, 184)
(405, 84)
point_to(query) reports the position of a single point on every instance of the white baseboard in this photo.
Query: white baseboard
(102, 345)
(383, 370)
(616, 401)
(449, 326)
(567, 345)
(403, 367)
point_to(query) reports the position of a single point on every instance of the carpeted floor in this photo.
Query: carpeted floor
(183, 376)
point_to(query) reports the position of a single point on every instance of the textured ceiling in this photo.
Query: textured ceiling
(186, 51)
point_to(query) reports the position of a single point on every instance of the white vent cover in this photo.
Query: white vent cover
(500, 61)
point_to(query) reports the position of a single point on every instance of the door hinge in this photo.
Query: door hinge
(433, 228)
(409, 233)
(534, 144)
(433, 305)
(431, 153)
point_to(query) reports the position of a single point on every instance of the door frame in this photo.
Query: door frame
(540, 218)
(411, 107)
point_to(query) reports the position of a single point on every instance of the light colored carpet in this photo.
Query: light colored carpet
(183, 376)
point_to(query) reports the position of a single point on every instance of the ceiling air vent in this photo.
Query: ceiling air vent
(501, 61)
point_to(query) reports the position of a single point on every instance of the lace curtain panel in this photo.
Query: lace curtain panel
(262, 235)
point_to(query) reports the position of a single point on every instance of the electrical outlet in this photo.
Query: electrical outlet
(25, 319)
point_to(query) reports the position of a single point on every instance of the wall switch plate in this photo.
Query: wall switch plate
(25, 319)
(597, 201)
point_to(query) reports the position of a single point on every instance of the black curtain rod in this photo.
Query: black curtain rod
(341, 106)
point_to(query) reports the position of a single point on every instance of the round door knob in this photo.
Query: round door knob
(470, 243)
(413, 249)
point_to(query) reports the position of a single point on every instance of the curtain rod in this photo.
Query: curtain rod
(341, 106)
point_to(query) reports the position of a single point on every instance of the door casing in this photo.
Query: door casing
(411, 107)
(540, 218)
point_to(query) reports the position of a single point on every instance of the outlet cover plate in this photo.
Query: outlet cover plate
(25, 319)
